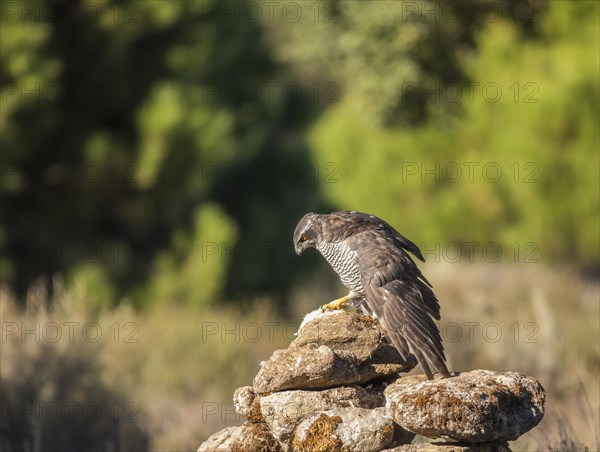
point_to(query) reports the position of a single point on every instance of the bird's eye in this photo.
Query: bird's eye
(303, 238)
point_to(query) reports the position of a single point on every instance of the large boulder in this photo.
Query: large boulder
(477, 406)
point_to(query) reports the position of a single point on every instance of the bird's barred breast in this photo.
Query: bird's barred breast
(345, 263)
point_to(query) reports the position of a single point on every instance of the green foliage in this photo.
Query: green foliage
(541, 133)
(90, 284)
(391, 57)
(130, 135)
(193, 270)
(118, 130)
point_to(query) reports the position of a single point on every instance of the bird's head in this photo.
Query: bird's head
(307, 233)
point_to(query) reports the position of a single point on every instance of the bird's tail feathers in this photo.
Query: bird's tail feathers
(412, 330)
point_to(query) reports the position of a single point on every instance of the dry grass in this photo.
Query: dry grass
(170, 373)
(167, 375)
(55, 394)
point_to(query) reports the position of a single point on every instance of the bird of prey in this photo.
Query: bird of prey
(371, 259)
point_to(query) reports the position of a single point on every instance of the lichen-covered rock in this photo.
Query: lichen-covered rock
(246, 404)
(246, 437)
(325, 356)
(359, 334)
(308, 367)
(320, 434)
(339, 330)
(337, 388)
(348, 429)
(451, 447)
(283, 411)
(477, 406)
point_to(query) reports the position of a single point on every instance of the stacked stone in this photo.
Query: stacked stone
(337, 387)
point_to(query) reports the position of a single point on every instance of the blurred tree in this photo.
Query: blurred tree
(516, 168)
(393, 57)
(120, 122)
(149, 149)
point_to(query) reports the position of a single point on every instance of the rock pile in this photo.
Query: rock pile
(337, 387)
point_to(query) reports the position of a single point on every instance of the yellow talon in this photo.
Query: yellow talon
(336, 305)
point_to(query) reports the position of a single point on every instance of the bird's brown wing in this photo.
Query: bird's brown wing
(341, 225)
(401, 298)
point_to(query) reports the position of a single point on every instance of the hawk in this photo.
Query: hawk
(371, 259)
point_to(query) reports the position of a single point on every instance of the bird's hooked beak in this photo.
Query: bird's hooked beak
(298, 248)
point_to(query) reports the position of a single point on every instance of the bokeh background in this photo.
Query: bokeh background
(156, 156)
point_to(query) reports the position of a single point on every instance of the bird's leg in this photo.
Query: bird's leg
(337, 305)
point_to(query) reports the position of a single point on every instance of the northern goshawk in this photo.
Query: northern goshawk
(371, 260)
